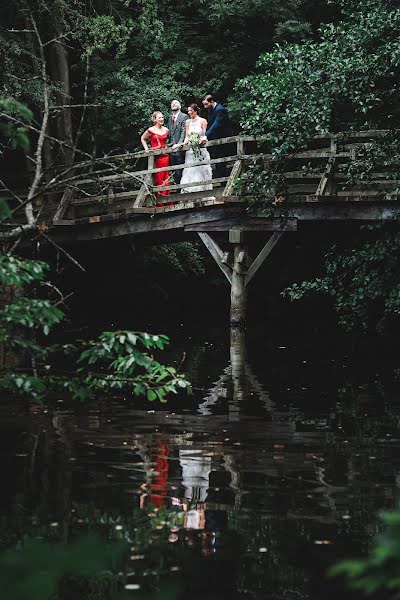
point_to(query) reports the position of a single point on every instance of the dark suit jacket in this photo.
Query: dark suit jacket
(218, 123)
(177, 130)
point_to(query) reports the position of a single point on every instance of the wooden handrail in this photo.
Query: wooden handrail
(230, 140)
(126, 195)
(143, 154)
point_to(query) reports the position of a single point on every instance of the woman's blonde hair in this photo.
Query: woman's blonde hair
(154, 115)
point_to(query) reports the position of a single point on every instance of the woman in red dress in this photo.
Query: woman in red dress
(158, 135)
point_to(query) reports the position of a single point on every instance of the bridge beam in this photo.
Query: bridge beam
(217, 254)
(265, 252)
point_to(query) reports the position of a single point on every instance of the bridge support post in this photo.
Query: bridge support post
(238, 284)
(238, 267)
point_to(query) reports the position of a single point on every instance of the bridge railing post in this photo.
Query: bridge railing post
(240, 147)
(150, 161)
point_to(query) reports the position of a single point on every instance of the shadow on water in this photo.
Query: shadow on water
(272, 471)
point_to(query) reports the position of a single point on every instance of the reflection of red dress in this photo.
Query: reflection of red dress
(157, 141)
(158, 489)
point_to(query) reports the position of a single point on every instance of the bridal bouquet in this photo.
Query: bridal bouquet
(194, 141)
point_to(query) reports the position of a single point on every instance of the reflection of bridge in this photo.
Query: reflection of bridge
(114, 196)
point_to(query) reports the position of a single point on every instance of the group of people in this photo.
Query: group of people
(180, 131)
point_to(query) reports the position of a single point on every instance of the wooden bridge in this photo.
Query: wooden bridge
(115, 196)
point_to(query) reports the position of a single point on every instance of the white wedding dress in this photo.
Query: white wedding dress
(201, 172)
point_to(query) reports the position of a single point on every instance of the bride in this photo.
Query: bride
(200, 173)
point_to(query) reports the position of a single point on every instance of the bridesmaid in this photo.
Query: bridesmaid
(158, 135)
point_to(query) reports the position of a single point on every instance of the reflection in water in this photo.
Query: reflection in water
(196, 470)
(271, 473)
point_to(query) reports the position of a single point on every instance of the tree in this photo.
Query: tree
(363, 281)
(303, 89)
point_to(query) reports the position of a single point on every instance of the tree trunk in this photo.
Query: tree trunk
(47, 148)
(61, 59)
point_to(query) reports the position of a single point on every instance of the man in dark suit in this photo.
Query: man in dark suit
(218, 127)
(177, 130)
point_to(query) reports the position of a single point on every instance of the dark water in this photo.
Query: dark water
(271, 471)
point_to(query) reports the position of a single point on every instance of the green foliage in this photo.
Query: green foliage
(379, 572)
(119, 361)
(263, 183)
(116, 362)
(379, 156)
(292, 30)
(225, 11)
(363, 282)
(18, 271)
(180, 52)
(35, 569)
(102, 32)
(127, 89)
(142, 54)
(31, 313)
(93, 562)
(303, 89)
(183, 259)
(16, 136)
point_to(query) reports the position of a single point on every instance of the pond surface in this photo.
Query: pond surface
(272, 470)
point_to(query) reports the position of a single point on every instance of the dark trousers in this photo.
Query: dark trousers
(177, 158)
(219, 152)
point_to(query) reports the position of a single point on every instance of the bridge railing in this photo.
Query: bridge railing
(126, 181)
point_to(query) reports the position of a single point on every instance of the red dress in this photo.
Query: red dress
(157, 141)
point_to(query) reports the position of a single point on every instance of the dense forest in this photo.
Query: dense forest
(79, 81)
(126, 59)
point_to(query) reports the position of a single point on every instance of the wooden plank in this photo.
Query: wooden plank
(137, 174)
(118, 196)
(143, 154)
(343, 211)
(303, 188)
(367, 193)
(179, 186)
(217, 255)
(265, 252)
(234, 174)
(64, 222)
(188, 197)
(245, 223)
(139, 224)
(309, 154)
(347, 196)
(100, 199)
(370, 133)
(63, 206)
(326, 183)
(145, 190)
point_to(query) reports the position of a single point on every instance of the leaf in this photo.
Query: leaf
(151, 395)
